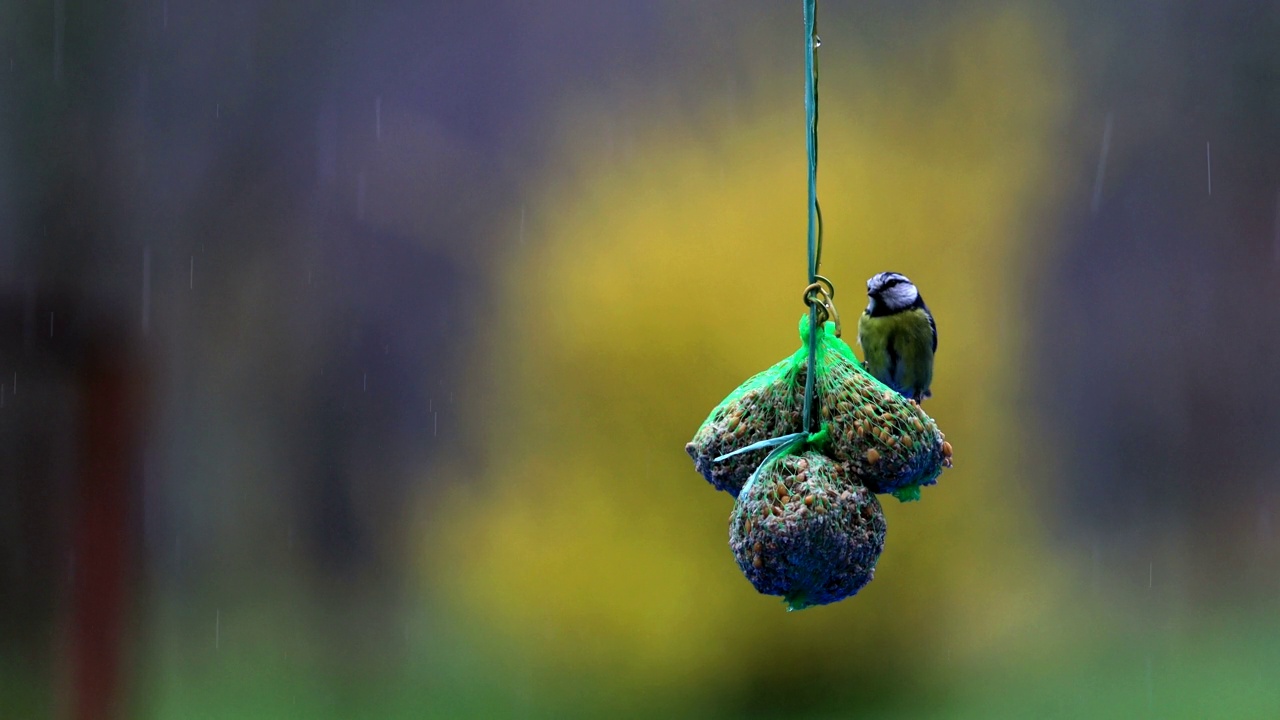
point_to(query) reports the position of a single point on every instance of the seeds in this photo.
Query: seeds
(862, 415)
(809, 556)
(946, 449)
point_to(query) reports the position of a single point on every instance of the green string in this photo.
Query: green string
(815, 213)
(810, 435)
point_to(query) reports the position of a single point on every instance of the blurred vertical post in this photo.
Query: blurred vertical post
(102, 517)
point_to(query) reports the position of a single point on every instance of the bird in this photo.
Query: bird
(898, 336)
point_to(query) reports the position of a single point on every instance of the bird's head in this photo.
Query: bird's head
(891, 292)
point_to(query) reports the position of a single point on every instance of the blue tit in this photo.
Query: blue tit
(898, 336)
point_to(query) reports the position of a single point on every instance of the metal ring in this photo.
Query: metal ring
(811, 290)
(816, 294)
(831, 289)
(835, 316)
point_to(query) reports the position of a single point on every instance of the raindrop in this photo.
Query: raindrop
(817, 42)
(435, 419)
(1208, 163)
(1150, 684)
(146, 289)
(1102, 166)
(192, 275)
(1277, 240)
(360, 186)
(366, 382)
(59, 26)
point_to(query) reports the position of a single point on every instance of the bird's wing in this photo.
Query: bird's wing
(934, 328)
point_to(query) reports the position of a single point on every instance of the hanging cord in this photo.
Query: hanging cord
(819, 293)
(815, 213)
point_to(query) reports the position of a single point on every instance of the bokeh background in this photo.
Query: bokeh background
(348, 351)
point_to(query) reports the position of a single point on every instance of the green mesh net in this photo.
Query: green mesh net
(802, 530)
(883, 442)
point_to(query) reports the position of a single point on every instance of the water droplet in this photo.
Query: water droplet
(817, 42)
(146, 289)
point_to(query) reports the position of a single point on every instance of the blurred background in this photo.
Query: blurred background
(348, 351)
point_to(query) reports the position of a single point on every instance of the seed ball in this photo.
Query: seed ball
(741, 420)
(817, 557)
(873, 456)
(862, 415)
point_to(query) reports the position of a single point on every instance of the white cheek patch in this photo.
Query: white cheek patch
(900, 296)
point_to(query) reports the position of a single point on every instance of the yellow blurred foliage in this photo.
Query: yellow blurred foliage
(659, 274)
